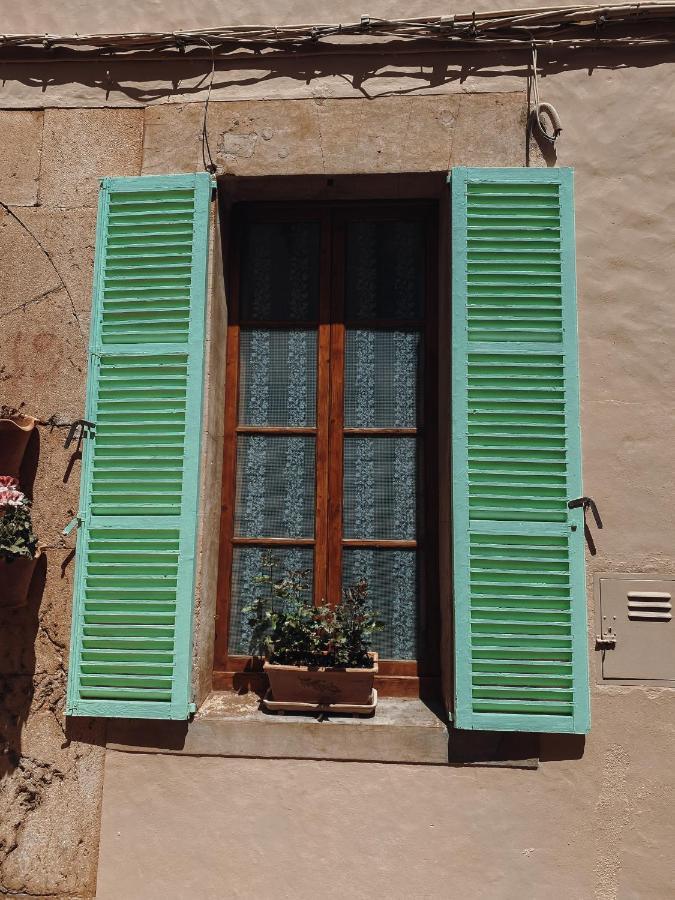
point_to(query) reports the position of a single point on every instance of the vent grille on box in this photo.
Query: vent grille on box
(140, 435)
(514, 287)
(655, 605)
(129, 614)
(521, 628)
(147, 273)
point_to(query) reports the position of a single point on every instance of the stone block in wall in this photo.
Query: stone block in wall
(27, 274)
(274, 137)
(172, 138)
(330, 136)
(80, 146)
(69, 236)
(21, 145)
(388, 134)
(490, 131)
(44, 362)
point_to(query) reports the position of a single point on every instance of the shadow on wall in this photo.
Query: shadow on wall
(142, 80)
(511, 749)
(32, 662)
(18, 634)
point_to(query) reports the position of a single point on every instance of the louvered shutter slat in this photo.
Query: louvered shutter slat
(520, 618)
(132, 610)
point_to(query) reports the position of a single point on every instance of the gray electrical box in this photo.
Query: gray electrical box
(636, 631)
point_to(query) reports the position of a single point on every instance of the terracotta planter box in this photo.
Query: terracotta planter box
(324, 686)
(15, 579)
(15, 433)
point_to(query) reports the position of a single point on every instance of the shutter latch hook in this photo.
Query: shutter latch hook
(586, 503)
(75, 522)
(84, 426)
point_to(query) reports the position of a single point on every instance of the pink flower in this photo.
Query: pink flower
(12, 498)
(9, 493)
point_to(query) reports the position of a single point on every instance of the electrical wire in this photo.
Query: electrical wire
(206, 150)
(571, 26)
(541, 110)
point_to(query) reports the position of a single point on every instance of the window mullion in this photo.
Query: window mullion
(336, 412)
(322, 487)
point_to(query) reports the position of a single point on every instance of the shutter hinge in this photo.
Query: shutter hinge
(75, 522)
(84, 427)
(192, 708)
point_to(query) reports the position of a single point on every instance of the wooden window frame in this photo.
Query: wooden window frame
(396, 677)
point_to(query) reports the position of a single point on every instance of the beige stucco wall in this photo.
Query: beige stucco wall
(598, 827)
(79, 16)
(601, 824)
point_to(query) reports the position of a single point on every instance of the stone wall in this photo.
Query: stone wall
(51, 774)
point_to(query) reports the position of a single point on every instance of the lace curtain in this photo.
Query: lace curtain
(383, 377)
(277, 386)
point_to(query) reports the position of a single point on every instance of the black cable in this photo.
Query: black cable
(206, 150)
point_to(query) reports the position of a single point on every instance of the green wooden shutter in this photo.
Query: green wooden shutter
(134, 579)
(520, 612)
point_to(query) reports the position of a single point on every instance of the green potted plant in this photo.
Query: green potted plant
(316, 657)
(18, 544)
(15, 432)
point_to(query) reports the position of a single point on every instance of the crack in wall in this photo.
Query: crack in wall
(49, 258)
(42, 296)
(317, 110)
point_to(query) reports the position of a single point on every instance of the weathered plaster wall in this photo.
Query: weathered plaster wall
(600, 823)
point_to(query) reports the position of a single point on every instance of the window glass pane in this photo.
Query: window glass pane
(380, 488)
(275, 487)
(392, 591)
(382, 378)
(385, 270)
(247, 563)
(280, 271)
(277, 377)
